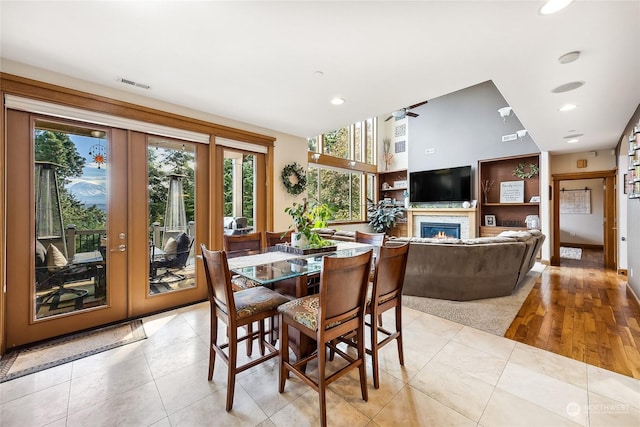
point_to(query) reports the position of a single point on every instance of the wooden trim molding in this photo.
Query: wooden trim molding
(609, 214)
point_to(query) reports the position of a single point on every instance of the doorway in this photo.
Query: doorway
(80, 228)
(609, 220)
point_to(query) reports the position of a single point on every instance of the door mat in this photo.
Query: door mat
(18, 363)
(570, 253)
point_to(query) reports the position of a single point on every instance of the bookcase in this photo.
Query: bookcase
(508, 191)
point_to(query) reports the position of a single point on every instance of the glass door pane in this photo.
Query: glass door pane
(171, 166)
(239, 192)
(70, 218)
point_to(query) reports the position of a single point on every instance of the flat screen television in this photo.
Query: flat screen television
(440, 185)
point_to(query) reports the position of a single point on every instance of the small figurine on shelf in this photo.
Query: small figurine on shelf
(486, 187)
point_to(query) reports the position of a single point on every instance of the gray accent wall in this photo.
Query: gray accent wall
(462, 128)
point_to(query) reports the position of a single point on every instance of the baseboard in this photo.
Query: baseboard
(635, 296)
(622, 272)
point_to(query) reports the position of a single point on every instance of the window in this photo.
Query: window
(354, 142)
(342, 190)
(344, 175)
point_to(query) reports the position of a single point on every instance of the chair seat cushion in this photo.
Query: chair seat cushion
(240, 283)
(303, 310)
(256, 300)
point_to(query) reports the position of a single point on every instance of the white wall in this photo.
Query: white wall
(584, 228)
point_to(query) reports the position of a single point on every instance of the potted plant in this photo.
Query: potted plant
(305, 219)
(383, 216)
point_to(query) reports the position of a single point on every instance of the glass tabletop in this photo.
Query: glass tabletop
(297, 265)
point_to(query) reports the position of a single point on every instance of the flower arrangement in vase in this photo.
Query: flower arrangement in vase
(305, 219)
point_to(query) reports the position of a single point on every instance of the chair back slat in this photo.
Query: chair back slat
(374, 239)
(272, 238)
(390, 271)
(218, 277)
(343, 287)
(242, 244)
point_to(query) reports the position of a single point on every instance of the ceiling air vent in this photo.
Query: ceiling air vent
(510, 137)
(132, 83)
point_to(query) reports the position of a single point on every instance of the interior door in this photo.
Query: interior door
(67, 227)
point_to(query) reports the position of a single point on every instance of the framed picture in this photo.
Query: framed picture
(490, 220)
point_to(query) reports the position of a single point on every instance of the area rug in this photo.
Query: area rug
(570, 253)
(18, 363)
(493, 315)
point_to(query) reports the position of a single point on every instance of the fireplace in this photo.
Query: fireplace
(440, 230)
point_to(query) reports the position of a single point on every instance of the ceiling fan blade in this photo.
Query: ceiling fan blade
(417, 105)
(388, 118)
(412, 114)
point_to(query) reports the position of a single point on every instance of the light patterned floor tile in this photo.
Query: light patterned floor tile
(29, 384)
(456, 389)
(604, 412)
(479, 364)
(37, 409)
(545, 391)
(411, 407)
(553, 365)
(506, 409)
(614, 386)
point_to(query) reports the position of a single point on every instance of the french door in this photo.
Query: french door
(89, 231)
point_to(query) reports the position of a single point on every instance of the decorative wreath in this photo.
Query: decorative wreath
(521, 173)
(300, 183)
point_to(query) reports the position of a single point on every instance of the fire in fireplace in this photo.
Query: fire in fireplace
(439, 230)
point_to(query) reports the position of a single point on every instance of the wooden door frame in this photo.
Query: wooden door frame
(609, 213)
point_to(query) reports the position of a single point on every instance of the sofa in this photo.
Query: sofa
(464, 269)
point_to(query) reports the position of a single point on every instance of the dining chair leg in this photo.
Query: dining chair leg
(213, 341)
(399, 338)
(362, 354)
(231, 366)
(374, 352)
(249, 339)
(322, 386)
(262, 336)
(284, 354)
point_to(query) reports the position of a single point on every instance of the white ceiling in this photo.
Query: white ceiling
(255, 62)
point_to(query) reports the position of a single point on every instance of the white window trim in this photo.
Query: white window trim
(241, 145)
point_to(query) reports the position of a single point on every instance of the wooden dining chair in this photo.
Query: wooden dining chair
(236, 310)
(272, 238)
(241, 245)
(386, 294)
(337, 310)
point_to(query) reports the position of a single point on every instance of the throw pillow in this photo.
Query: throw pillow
(170, 249)
(183, 243)
(55, 258)
(41, 254)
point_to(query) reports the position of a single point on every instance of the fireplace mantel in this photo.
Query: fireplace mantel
(469, 214)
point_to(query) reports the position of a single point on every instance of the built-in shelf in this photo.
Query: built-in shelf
(512, 204)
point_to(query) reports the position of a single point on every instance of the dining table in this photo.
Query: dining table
(292, 274)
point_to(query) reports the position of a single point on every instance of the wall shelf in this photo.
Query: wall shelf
(507, 216)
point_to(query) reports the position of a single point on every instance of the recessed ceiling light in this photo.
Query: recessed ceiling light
(318, 73)
(572, 141)
(567, 107)
(553, 6)
(568, 86)
(567, 58)
(337, 101)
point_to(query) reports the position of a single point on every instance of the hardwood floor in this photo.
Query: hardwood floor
(583, 311)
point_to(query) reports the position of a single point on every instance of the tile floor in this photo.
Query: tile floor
(453, 375)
